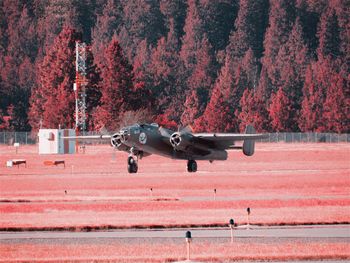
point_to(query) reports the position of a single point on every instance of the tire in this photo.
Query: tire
(131, 160)
(194, 166)
(130, 171)
(191, 166)
(134, 168)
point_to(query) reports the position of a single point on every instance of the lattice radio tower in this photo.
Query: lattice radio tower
(80, 89)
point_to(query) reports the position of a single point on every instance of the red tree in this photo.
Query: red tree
(142, 94)
(116, 88)
(328, 33)
(53, 101)
(311, 115)
(281, 18)
(166, 78)
(253, 111)
(336, 106)
(280, 110)
(194, 33)
(56, 15)
(219, 113)
(174, 12)
(142, 20)
(245, 76)
(291, 63)
(108, 23)
(17, 70)
(250, 26)
(199, 84)
(218, 17)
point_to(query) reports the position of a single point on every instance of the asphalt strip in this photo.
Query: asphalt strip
(315, 231)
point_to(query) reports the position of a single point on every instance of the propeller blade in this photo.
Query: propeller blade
(103, 130)
(187, 129)
(165, 132)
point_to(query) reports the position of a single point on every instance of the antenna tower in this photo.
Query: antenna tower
(80, 89)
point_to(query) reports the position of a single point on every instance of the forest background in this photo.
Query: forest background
(281, 65)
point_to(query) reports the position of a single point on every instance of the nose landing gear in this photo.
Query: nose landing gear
(132, 161)
(191, 166)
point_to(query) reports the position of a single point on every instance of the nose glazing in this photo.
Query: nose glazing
(124, 135)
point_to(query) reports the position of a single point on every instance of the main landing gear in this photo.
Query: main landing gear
(132, 161)
(191, 166)
(132, 165)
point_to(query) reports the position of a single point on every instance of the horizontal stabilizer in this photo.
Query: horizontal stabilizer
(248, 144)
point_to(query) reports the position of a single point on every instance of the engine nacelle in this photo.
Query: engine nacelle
(116, 140)
(180, 141)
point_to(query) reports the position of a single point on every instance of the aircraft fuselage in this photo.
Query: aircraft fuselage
(148, 139)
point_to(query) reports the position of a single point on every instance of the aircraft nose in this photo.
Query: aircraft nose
(124, 133)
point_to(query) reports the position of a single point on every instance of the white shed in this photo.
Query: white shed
(51, 141)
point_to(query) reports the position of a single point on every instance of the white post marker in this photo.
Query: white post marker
(16, 144)
(188, 241)
(231, 224)
(151, 192)
(113, 160)
(214, 194)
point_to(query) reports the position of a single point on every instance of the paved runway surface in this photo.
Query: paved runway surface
(315, 231)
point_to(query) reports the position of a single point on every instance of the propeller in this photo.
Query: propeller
(184, 130)
(116, 139)
(177, 137)
(165, 132)
(181, 130)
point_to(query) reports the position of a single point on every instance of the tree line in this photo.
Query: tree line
(280, 65)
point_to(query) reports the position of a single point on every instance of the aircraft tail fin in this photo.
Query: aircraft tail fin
(249, 144)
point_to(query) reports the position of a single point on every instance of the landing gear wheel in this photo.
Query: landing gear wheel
(132, 165)
(192, 166)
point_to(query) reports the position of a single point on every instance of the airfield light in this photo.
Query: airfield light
(188, 241)
(231, 224)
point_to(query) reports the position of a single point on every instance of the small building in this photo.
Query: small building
(51, 141)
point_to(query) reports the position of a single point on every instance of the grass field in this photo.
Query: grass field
(169, 251)
(281, 183)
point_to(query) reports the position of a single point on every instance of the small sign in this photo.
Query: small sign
(9, 163)
(16, 144)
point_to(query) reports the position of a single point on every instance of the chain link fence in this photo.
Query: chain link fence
(9, 138)
(311, 137)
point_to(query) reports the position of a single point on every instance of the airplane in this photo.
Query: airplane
(142, 140)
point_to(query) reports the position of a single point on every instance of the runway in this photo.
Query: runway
(314, 231)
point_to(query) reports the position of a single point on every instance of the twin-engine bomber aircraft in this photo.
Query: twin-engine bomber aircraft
(141, 140)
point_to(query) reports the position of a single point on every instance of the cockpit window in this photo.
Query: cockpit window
(136, 131)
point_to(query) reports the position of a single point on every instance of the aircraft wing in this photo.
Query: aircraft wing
(217, 137)
(88, 137)
(226, 140)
